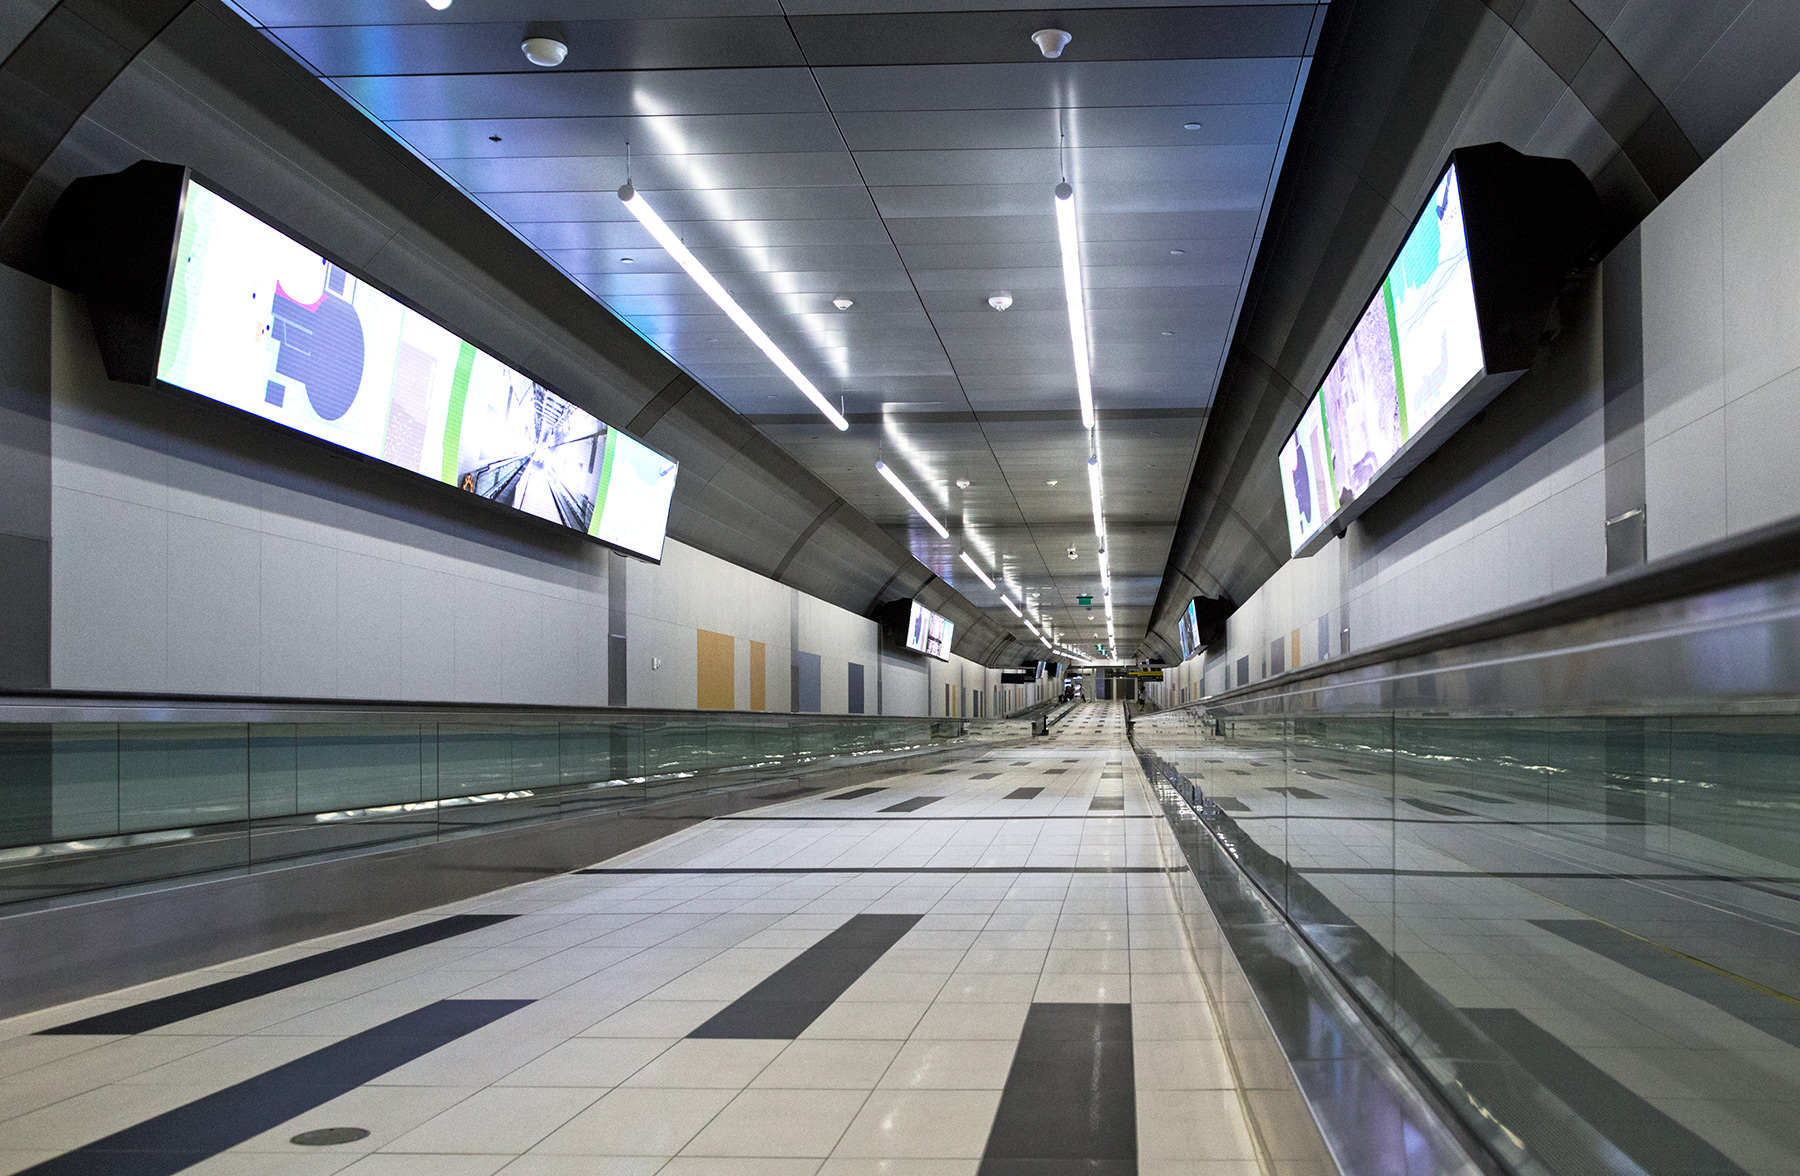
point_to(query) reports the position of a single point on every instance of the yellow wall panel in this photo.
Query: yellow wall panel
(716, 655)
(759, 676)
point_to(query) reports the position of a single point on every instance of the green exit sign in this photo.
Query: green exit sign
(1085, 601)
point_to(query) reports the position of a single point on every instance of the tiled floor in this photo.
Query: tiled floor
(1039, 996)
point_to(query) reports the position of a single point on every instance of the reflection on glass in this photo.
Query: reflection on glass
(1582, 928)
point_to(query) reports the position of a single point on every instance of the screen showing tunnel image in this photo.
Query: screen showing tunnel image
(259, 321)
(525, 447)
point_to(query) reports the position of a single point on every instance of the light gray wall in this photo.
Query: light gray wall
(1515, 506)
(196, 551)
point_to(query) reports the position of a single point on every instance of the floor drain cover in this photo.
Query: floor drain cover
(326, 1136)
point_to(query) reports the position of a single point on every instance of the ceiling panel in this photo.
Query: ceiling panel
(876, 152)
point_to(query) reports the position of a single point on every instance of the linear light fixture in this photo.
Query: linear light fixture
(1071, 267)
(1034, 630)
(979, 574)
(912, 499)
(1095, 496)
(666, 237)
(1007, 601)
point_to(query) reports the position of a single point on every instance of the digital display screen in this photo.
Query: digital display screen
(1416, 346)
(929, 633)
(260, 322)
(1188, 628)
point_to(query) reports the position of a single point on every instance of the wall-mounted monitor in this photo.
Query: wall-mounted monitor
(929, 633)
(253, 318)
(910, 625)
(1457, 318)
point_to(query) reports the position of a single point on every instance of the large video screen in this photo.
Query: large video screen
(929, 633)
(1416, 346)
(258, 321)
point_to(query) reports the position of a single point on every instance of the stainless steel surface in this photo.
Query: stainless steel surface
(1732, 650)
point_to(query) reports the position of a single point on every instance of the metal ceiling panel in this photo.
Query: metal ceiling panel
(900, 159)
(465, 47)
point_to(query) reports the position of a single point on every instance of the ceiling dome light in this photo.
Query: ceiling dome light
(1190, 126)
(842, 303)
(544, 51)
(1000, 301)
(1051, 42)
(440, 5)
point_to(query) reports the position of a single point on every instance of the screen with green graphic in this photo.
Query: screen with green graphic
(259, 321)
(1413, 350)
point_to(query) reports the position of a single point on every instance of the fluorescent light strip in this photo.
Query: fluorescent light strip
(981, 575)
(1094, 496)
(1034, 630)
(1007, 601)
(670, 242)
(1071, 267)
(911, 498)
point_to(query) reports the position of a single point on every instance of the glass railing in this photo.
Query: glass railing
(1584, 932)
(134, 792)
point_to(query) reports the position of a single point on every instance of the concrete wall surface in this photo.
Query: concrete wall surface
(194, 550)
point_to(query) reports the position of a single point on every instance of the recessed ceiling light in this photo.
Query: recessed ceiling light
(545, 51)
(1190, 126)
(1166, 334)
(962, 483)
(1177, 253)
(842, 303)
(1051, 482)
(440, 5)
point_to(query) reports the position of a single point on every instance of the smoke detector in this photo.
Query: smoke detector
(1000, 301)
(544, 51)
(962, 483)
(842, 303)
(1051, 42)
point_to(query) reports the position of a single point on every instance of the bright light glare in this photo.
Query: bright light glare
(1094, 496)
(979, 574)
(1007, 601)
(440, 5)
(912, 499)
(1071, 267)
(670, 242)
(1034, 629)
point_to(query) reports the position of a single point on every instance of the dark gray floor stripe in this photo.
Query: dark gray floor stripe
(1230, 804)
(1467, 795)
(1660, 1145)
(1107, 804)
(1299, 793)
(912, 804)
(786, 1003)
(884, 870)
(1442, 810)
(1753, 1006)
(1070, 1101)
(166, 1010)
(985, 776)
(1022, 794)
(189, 1134)
(854, 794)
